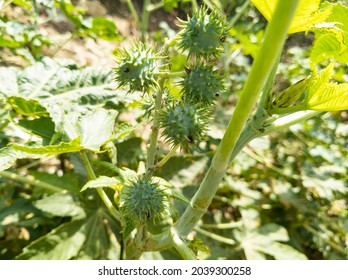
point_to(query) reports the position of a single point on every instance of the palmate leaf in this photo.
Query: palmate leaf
(266, 240)
(325, 96)
(331, 37)
(96, 128)
(61, 205)
(71, 97)
(62, 243)
(87, 238)
(62, 82)
(307, 13)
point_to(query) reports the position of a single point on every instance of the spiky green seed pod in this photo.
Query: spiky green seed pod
(201, 85)
(142, 200)
(137, 68)
(184, 125)
(203, 34)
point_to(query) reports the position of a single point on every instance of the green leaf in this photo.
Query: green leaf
(89, 238)
(282, 252)
(61, 205)
(102, 182)
(62, 243)
(43, 127)
(96, 128)
(8, 85)
(104, 28)
(9, 156)
(324, 187)
(72, 13)
(325, 96)
(331, 37)
(307, 13)
(328, 46)
(64, 147)
(68, 181)
(99, 244)
(266, 241)
(26, 107)
(123, 130)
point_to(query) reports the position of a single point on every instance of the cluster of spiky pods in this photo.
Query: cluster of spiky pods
(183, 122)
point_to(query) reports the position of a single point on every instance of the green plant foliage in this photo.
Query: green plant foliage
(87, 171)
(15, 35)
(307, 13)
(72, 240)
(101, 182)
(98, 27)
(325, 96)
(330, 37)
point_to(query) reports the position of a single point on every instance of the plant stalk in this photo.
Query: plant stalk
(289, 120)
(216, 237)
(133, 12)
(167, 157)
(269, 53)
(239, 13)
(100, 191)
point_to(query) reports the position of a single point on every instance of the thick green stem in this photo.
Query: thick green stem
(100, 191)
(30, 181)
(269, 52)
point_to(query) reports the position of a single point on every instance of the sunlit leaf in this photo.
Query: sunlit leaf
(64, 147)
(101, 182)
(331, 36)
(266, 241)
(307, 13)
(26, 107)
(9, 156)
(8, 85)
(43, 127)
(96, 128)
(60, 204)
(323, 95)
(62, 243)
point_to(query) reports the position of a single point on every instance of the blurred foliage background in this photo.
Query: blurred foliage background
(287, 190)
